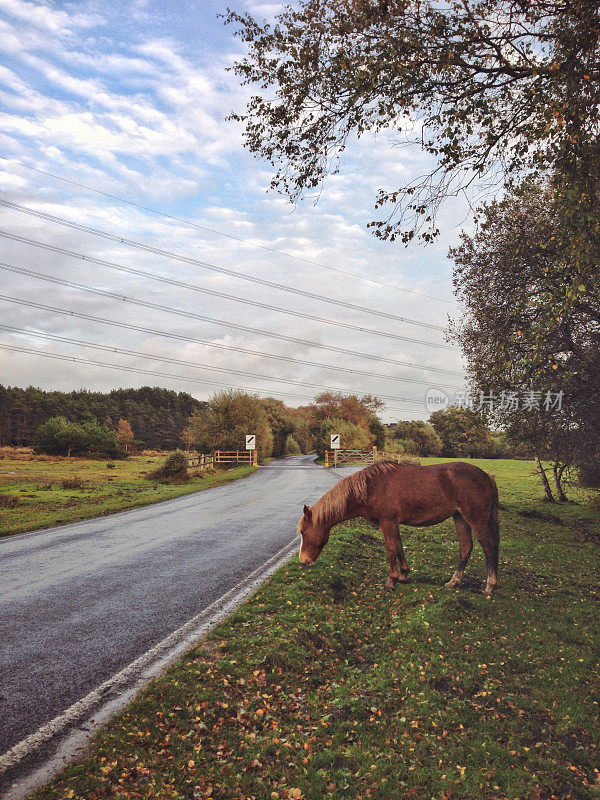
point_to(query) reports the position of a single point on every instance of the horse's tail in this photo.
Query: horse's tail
(494, 525)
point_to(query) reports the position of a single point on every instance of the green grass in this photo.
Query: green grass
(325, 686)
(42, 502)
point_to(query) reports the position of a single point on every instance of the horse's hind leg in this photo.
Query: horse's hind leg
(465, 545)
(488, 538)
(395, 552)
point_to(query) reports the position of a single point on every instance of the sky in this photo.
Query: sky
(126, 105)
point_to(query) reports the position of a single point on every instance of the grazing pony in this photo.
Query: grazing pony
(387, 493)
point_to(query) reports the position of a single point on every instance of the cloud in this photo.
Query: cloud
(142, 116)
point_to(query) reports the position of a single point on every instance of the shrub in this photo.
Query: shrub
(174, 470)
(8, 501)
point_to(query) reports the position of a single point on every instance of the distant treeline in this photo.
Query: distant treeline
(157, 416)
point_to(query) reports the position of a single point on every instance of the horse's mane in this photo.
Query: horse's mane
(333, 505)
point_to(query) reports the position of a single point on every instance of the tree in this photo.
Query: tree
(187, 437)
(353, 437)
(494, 88)
(60, 437)
(357, 410)
(281, 423)
(228, 417)
(463, 433)
(124, 434)
(521, 343)
(427, 442)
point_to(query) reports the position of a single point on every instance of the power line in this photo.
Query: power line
(167, 375)
(171, 360)
(224, 323)
(196, 225)
(212, 267)
(133, 271)
(233, 348)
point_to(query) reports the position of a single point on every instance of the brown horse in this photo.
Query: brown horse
(388, 493)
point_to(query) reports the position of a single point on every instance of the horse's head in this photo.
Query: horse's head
(314, 537)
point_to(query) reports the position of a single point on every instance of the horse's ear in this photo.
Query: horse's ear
(307, 512)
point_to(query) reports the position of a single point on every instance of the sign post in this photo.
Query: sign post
(251, 445)
(336, 443)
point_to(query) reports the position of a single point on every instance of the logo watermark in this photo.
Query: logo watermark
(436, 400)
(530, 400)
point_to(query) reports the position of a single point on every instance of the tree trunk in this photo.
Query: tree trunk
(547, 489)
(558, 473)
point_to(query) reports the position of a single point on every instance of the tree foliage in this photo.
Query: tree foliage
(463, 433)
(229, 416)
(124, 434)
(511, 85)
(426, 440)
(59, 437)
(525, 331)
(157, 416)
(353, 437)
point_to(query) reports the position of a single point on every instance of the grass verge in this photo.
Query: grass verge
(41, 502)
(325, 686)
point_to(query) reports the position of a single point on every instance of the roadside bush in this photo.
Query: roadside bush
(292, 448)
(174, 470)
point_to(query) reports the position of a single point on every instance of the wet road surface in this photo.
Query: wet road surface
(80, 602)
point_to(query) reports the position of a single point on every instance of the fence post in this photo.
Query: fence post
(255, 458)
(335, 457)
(326, 458)
(374, 453)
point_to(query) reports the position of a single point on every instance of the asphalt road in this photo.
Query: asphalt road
(80, 602)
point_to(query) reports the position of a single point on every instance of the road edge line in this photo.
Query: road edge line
(134, 677)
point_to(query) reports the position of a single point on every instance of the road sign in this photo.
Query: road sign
(335, 441)
(251, 442)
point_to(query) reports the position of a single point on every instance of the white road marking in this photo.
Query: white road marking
(145, 666)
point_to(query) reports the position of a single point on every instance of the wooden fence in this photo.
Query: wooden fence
(198, 463)
(350, 458)
(236, 457)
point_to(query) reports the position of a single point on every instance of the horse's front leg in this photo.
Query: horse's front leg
(465, 545)
(395, 552)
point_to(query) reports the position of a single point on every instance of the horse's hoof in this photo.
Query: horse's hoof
(388, 588)
(451, 585)
(404, 577)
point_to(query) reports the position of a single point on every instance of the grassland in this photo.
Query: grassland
(36, 483)
(325, 686)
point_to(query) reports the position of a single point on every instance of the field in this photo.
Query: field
(41, 501)
(325, 686)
